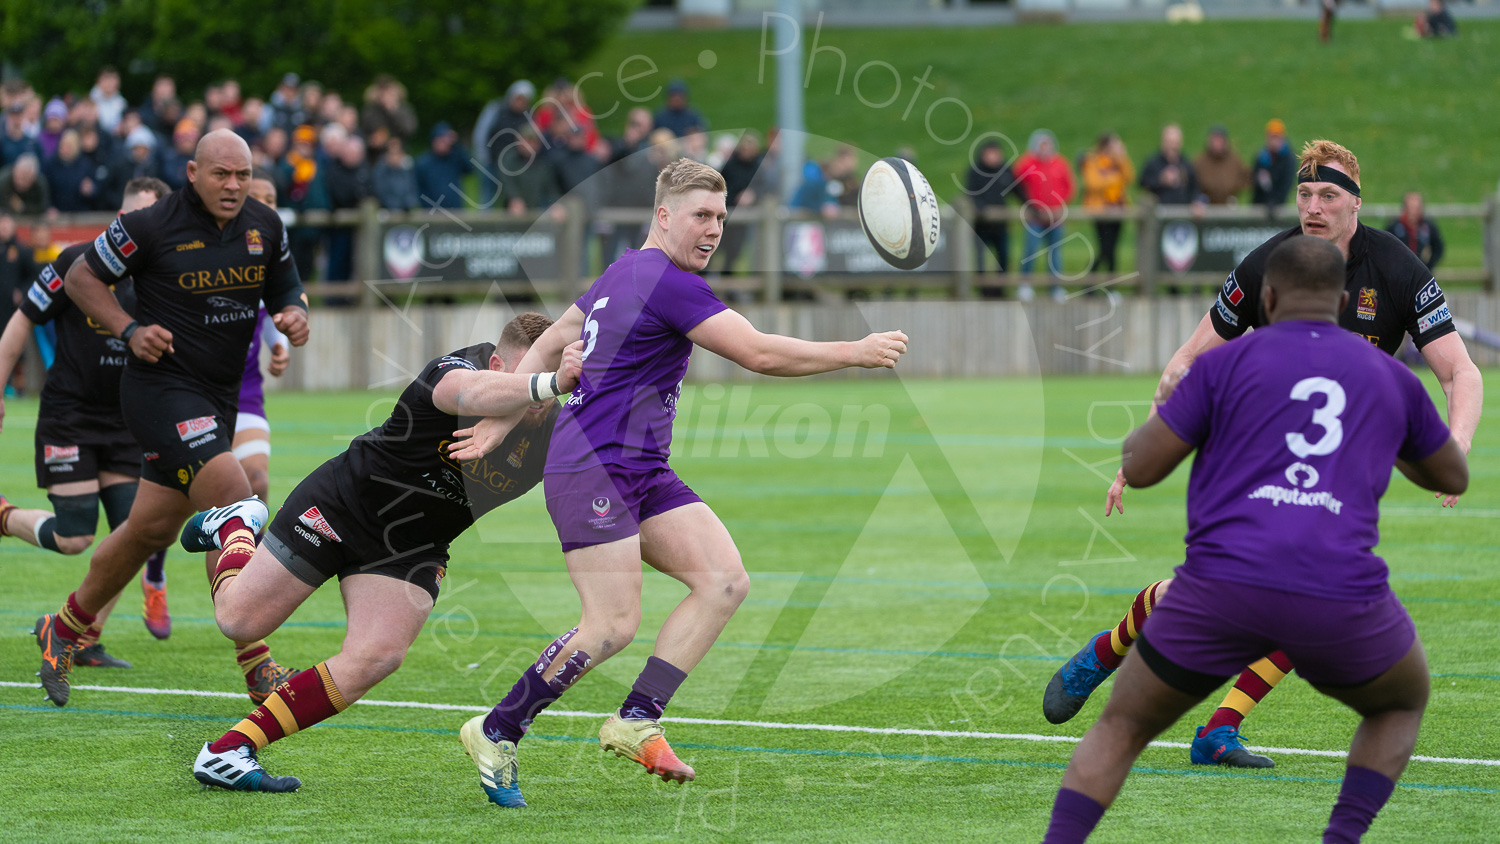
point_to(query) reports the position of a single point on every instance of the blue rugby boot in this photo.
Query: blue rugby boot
(1221, 746)
(1070, 687)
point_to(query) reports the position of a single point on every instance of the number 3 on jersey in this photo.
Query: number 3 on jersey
(591, 329)
(1325, 417)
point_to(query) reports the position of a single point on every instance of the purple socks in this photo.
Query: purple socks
(1074, 816)
(156, 569)
(511, 718)
(1363, 793)
(653, 689)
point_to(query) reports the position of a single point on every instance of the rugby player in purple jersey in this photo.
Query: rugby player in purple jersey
(612, 496)
(1297, 428)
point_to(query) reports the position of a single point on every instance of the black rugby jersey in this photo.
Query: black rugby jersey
(406, 480)
(201, 283)
(86, 373)
(1391, 292)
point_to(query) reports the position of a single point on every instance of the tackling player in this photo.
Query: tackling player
(380, 517)
(201, 259)
(1297, 428)
(1391, 294)
(84, 455)
(610, 492)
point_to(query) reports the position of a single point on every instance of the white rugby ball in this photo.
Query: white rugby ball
(899, 213)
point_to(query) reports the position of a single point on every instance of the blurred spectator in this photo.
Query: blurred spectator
(562, 103)
(1048, 182)
(1107, 176)
(254, 121)
(196, 113)
(741, 171)
(630, 181)
(16, 271)
(1437, 22)
(441, 170)
(347, 180)
(14, 142)
(70, 176)
(330, 108)
(1419, 233)
(1167, 174)
(23, 188)
(174, 159)
(843, 176)
(395, 179)
(500, 123)
(213, 101)
(100, 158)
(331, 143)
(44, 250)
(161, 110)
(989, 184)
(54, 121)
(269, 154)
(527, 180)
(137, 162)
(723, 147)
(638, 127)
(1275, 168)
(286, 104)
(128, 122)
(312, 104)
(677, 115)
(694, 145)
(231, 102)
(348, 117)
(1222, 174)
(106, 96)
(813, 195)
(575, 165)
(302, 167)
(387, 113)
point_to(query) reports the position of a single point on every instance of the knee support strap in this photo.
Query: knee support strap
(77, 515)
(118, 499)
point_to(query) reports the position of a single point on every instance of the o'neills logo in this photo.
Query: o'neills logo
(193, 427)
(313, 519)
(601, 506)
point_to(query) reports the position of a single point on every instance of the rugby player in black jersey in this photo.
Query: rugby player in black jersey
(380, 518)
(84, 454)
(201, 260)
(1391, 294)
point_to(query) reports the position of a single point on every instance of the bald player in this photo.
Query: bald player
(202, 260)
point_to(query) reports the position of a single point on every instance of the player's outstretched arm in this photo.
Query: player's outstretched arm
(12, 342)
(1463, 387)
(1151, 452)
(469, 392)
(1446, 471)
(1205, 337)
(729, 335)
(93, 297)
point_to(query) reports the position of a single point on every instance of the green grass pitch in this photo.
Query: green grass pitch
(922, 555)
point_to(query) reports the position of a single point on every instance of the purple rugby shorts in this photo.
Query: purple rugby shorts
(1218, 627)
(608, 502)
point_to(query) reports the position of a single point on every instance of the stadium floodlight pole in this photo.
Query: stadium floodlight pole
(789, 95)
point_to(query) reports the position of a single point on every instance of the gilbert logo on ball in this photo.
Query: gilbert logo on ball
(899, 213)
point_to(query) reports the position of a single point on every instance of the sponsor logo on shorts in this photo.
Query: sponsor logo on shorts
(193, 427)
(1436, 318)
(1224, 313)
(184, 247)
(1232, 290)
(121, 238)
(38, 296)
(151, 455)
(314, 519)
(207, 438)
(107, 255)
(1367, 302)
(253, 242)
(54, 454)
(601, 506)
(1428, 293)
(308, 535)
(50, 279)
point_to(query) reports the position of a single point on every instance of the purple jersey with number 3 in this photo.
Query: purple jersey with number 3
(637, 316)
(1297, 429)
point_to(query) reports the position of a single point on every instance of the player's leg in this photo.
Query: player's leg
(39, 528)
(385, 616)
(1218, 742)
(1071, 686)
(608, 579)
(1142, 704)
(91, 652)
(117, 493)
(252, 447)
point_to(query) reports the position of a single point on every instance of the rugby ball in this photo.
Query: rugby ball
(899, 213)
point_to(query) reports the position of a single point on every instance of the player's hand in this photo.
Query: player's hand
(1115, 498)
(883, 348)
(486, 435)
(292, 321)
(1448, 500)
(572, 367)
(280, 357)
(150, 342)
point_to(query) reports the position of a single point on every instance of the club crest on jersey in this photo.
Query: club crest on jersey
(1232, 291)
(518, 454)
(1366, 307)
(601, 506)
(50, 279)
(253, 242)
(193, 427)
(54, 454)
(121, 238)
(314, 519)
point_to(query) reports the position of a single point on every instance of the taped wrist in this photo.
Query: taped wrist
(543, 386)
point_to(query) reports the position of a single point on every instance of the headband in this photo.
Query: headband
(1327, 174)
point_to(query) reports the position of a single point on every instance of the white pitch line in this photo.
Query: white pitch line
(764, 725)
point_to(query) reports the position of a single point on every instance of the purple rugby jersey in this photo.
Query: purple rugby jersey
(1297, 429)
(636, 350)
